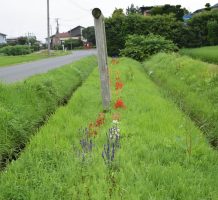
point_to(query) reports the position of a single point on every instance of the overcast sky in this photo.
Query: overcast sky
(18, 17)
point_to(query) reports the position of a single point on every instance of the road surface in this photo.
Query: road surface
(19, 72)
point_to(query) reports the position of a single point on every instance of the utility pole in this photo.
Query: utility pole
(57, 28)
(48, 28)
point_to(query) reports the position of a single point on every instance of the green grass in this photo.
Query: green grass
(207, 54)
(12, 60)
(193, 85)
(152, 162)
(25, 106)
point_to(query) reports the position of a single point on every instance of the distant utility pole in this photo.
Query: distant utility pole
(102, 57)
(48, 28)
(57, 28)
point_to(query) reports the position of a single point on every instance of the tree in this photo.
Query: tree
(167, 9)
(132, 10)
(89, 34)
(207, 6)
(118, 12)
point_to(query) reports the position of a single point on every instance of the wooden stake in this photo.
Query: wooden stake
(101, 44)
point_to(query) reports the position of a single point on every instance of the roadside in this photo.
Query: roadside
(19, 72)
(13, 60)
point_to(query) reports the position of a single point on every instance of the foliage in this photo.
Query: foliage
(89, 34)
(140, 47)
(73, 43)
(212, 36)
(199, 28)
(16, 50)
(118, 12)
(207, 54)
(207, 6)
(153, 161)
(25, 106)
(119, 27)
(193, 86)
(177, 10)
(132, 10)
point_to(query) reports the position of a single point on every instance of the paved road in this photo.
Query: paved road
(18, 72)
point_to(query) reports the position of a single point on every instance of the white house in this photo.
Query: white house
(2, 38)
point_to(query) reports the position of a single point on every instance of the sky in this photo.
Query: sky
(20, 17)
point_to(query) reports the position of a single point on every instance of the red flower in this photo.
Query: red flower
(100, 120)
(119, 85)
(119, 104)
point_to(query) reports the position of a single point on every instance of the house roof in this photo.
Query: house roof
(3, 34)
(62, 35)
(75, 32)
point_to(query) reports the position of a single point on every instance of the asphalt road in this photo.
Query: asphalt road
(18, 72)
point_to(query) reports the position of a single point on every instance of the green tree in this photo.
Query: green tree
(177, 10)
(132, 10)
(89, 34)
(118, 12)
(207, 6)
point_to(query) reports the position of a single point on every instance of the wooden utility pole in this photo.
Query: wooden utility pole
(101, 44)
(48, 27)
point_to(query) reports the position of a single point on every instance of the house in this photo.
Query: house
(76, 33)
(13, 40)
(2, 38)
(59, 38)
(146, 10)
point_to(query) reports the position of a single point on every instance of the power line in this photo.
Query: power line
(79, 6)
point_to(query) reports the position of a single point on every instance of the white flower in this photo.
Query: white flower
(115, 122)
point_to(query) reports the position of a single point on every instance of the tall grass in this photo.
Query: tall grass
(207, 54)
(25, 106)
(154, 161)
(193, 85)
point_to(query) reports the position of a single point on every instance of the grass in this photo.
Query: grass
(207, 54)
(154, 161)
(193, 85)
(25, 106)
(12, 60)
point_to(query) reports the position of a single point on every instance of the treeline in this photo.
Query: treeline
(200, 30)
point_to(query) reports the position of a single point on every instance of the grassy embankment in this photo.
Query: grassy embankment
(193, 85)
(26, 105)
(162, 155)
(12, 60)
(207, 54)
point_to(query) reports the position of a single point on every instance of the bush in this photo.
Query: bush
(119, 27)
(73, 43)
(140, 47)
(16, 50)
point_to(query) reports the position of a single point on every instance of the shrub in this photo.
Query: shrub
(16, 50)
(73, 43)
(140, 47)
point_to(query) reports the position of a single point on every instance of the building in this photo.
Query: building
(59, 38)
(76, 33)
(146, 10)
(2, 38)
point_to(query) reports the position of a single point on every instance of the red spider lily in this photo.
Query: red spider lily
(119, 85)
(100, 120)
(119, 104)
